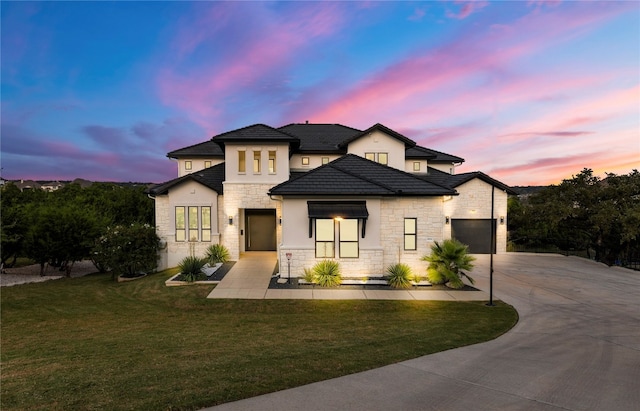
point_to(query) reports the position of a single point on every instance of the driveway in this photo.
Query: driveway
(576, 347)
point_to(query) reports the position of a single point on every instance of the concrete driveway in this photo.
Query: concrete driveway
(576, 347)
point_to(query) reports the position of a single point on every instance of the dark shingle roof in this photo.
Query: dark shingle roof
(211, 177)
(255, 133)
(354, 175)
(320, 138)
(407, 141)
(206, 149)
(455, 180)
(432, 155)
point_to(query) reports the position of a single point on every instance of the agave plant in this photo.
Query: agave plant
(399, 276)
(446, 262)
(191, 268)
(309, 275)
(216, 253)
(327, 273)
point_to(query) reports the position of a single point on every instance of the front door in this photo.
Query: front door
(261, 230)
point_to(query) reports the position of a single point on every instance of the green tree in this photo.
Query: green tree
(446, 262)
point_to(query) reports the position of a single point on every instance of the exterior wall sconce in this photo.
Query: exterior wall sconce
(280, 220)
(501, 220)
(230, 220)
(447, 220)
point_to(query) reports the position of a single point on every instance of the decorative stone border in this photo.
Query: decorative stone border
(207, 269)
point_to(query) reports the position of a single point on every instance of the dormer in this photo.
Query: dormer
(257, 154)
(380, 144)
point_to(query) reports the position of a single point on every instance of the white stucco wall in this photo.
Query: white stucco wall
(444, 167)
(383, 244)
(379, 142)
(197, 164)
(315, 161)
(474, 201)
(408, 166)
(263, 177)
(187, 194)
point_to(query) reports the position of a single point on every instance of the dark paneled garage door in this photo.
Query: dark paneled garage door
(474, 233)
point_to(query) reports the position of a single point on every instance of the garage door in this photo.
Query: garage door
(475, 233)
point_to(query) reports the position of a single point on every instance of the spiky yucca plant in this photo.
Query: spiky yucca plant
(446, 262)
(327, 273)
(191, 268)
(399, 276)
(216, 253)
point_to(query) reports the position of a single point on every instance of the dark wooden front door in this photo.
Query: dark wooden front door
(261, 230)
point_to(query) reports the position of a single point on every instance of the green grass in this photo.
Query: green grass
(92, 344)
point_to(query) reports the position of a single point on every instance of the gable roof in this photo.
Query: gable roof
(207, 149)
(456, 180)
(211, 177)
(320, 138)
(379, 127)
(352, 175)
(255, 133)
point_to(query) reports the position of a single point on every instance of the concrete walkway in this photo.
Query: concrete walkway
(250, 276)
(576, 347)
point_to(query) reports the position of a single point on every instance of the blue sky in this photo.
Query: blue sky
(529, 92)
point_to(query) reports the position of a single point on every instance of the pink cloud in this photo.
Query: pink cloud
(261, 59)
(468, 8)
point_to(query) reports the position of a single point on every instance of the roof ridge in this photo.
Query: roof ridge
(368, 180)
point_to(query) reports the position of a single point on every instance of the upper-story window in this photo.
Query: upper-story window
(242, 161)
(256, 162)
(416, 166)
(272, 162)
(188, 165)
(305, 161)
(382, 158)
(325, 160)
(207, 163)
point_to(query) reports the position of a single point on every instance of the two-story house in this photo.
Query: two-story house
(368, 198)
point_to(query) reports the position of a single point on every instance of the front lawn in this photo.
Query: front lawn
(91, 343)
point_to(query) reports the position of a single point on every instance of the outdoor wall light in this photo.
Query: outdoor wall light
(230, 220)
(280, 220)
(501, 220)
(447, 220)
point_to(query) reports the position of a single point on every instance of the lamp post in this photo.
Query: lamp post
(288, 267)
(493, 239)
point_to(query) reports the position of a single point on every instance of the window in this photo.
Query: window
(207, 163)
(180, 224)
(416, 166)
(305, 161)
(382, 158)
(242, 162)
(325, 238)
(193, 223)
(272, 162)
(187, 165)
(325, 160)
(349, 238)
(205, 223)
(410, 231)
(256, 162)
(197, 220)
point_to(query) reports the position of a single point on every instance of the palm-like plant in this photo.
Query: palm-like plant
(327, 273)
(446, 262)
(191, 268)
(399, 276)
(216, 253)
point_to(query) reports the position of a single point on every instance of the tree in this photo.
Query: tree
(446, 262)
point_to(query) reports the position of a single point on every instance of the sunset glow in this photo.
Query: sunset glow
(529, 92)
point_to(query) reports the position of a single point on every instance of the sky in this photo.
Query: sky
(529, 92)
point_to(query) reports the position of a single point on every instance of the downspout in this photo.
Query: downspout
(280, 199)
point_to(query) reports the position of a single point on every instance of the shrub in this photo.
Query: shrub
(399, 276)
(309, 275)
(446, 262)
(216, 253)
(191, 268)
(327, 273)
(127, 250)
